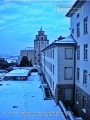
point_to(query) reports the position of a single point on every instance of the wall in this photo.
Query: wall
(83, 39)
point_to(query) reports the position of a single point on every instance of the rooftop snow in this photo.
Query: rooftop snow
(29, 48)
(68, 39)
(23, 100)
(18, 72)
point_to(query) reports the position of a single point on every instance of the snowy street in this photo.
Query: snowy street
(23, 100)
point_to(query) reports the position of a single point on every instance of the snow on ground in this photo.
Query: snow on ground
(27, 99)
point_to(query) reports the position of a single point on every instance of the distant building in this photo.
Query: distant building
(58, 69)
(80, 29)
(34, 53)
(29, 52)
(40, 43)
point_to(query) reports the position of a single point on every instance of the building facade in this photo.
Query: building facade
(29, 52)
(80, 29)
(58, 69)
(40, 43)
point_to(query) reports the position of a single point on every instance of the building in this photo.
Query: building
(18, 74)
(34, 53)
(58, 69)
(40, 43)
(80, 29)
(29, 52)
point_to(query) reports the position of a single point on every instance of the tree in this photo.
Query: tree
(24, 61)
(30, 63)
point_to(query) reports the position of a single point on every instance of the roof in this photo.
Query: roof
(75, 7)
(67, 40)
(18, 72)
(29, 48)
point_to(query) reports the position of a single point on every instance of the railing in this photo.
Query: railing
(68, 113)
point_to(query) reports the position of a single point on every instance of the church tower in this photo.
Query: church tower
(40, 43)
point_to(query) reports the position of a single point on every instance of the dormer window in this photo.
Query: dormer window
(41, 38)
(78, 15)
(73, 30)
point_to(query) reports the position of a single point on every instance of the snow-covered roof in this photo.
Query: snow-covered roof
(68, 39)
(77, 6)
(18, 72)
(29, 48)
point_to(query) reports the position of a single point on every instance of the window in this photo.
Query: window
(86, 25)
(41, 38)
(78, 30)
(78, 73)
(53, 69)
(68, 53)
(42, 42)
(85, 52)
(78, 15)
(77, 96)
(73, 30)
(68, 94)
(68, 73)
(85, 77)
(84, 104)
(53, 53)
(53, 85)
(78, 52)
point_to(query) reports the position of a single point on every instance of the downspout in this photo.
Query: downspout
(44, 62)
(75, 46)
(44, 67)
(39, 52)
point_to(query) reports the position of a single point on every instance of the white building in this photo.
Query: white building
(18, 74)
(58, 69)
(80, 26)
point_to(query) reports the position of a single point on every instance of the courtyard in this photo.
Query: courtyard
(23, 100)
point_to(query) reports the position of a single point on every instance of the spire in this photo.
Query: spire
(41, 28)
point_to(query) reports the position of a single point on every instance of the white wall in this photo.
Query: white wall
(83, 39)
(59, 63)
(62, 63)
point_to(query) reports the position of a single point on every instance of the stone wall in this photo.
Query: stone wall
(60, 94)
(78, 107)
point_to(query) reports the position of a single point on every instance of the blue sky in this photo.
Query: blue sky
(20, 21)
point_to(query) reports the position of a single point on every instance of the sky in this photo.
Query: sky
(20, 21)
